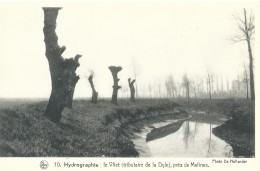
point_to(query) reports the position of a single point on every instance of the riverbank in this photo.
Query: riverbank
(87, 130)
(105, 129)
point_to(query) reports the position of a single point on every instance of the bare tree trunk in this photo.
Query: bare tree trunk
(228, 89)
(188, 91)
(195, 93)
(136, 84)
(251, 67)
(94, 93)
(217, 91)
(247, 27)
(252, 82)
(186, 83)
(114, 70)
(246, 80)
(132, 89)
(238, 84)
(212, 86)
(209, 82)
(222, 87)
(63, 71)
(247, 89)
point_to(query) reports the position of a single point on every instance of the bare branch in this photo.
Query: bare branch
(250, 20)
(246, 27)
(241, 28)
(237, 38)
(238, 19)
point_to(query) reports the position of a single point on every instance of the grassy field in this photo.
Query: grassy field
(95, 130)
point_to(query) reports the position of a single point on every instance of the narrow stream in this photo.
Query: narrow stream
(193, 139)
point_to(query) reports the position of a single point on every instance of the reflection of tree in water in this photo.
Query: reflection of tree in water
(210, 143)
(190, 132)
(195, 131)
(186, 133)
(228, 152)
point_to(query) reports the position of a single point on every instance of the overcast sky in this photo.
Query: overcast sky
(160, 38)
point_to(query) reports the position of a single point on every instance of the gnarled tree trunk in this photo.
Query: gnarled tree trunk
(94, 93)
(132, 89)
(114, 70)
(63, 71)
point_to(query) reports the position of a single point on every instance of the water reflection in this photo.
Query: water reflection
(191, 140)
(209, 142)
(186, 134)
(189, 133)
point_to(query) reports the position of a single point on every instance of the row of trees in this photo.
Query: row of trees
(208, 86)
(211, 86)
(114, 70)
(64, 77)
(63, 71)
(243, 86)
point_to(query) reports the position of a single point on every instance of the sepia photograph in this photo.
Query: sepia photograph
(127, 80)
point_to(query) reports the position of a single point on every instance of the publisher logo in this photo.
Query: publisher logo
(44, 164)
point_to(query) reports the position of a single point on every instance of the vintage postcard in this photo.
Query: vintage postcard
(112, 85)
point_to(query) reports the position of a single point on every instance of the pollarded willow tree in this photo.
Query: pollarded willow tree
(132, 89)
(114, 70)
(94, 92)
(63, 71)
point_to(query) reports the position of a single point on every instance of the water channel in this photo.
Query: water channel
(192, 139)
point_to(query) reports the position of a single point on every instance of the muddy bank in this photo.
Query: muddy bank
(164, 131)
(241, 142)
(128, 121)
(135, 127)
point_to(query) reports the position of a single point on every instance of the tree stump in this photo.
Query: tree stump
(94, 93)
(132, 89)
(62, 71)
(114, 70)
